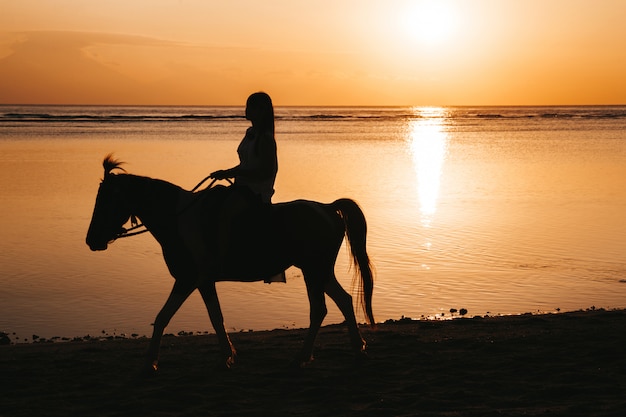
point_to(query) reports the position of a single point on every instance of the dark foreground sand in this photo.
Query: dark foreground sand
(569, 364)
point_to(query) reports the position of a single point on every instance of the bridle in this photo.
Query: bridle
(136, 227)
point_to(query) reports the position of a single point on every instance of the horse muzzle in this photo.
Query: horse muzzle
(97, 246)
(95, 243)
(99, 241)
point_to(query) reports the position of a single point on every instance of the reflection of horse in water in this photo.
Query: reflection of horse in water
(306, 234)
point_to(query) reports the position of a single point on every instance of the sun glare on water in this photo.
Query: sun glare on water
(430, 22)
(428, 143)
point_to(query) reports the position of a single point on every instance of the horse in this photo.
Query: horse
(265, 241)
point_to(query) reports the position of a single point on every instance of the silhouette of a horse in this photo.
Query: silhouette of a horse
(302, 233)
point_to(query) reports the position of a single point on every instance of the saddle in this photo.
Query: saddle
(252, 242)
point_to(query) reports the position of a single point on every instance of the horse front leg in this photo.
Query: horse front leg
(209, 295)
(177, 297)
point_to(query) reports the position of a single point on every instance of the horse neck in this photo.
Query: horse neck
(153, 201)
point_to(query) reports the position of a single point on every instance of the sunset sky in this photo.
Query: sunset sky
(323, 52)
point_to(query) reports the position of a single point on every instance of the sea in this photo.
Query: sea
(480, 210)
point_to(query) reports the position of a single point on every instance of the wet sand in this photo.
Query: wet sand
(567, 364)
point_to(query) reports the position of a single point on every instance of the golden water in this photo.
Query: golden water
(497, 221)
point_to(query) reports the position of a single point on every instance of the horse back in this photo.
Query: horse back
(275, 237)
(267, 239)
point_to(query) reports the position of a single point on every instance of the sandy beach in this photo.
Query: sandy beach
(569, 364)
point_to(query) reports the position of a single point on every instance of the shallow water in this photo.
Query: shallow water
(496, 210)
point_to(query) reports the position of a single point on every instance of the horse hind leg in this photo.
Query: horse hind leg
(344, 301)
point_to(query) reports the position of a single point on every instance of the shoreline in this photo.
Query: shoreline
(567, 363)
(12, 338)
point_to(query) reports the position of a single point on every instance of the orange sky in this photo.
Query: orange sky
(323, 52)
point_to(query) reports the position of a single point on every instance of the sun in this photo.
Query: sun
(430, 22)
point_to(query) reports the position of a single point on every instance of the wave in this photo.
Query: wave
(46, 117)
(64, 114)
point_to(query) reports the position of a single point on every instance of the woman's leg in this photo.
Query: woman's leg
(234, 205)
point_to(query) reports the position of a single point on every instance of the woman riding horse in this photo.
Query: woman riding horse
(254, 176)
(193, 228)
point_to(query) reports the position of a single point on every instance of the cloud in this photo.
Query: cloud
(85, 68)
(52, 67)
(105, 68)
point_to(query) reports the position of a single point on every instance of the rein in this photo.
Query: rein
(135, 225)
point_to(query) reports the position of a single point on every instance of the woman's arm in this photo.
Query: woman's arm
(266, 168)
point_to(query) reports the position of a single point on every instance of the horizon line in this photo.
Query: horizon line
(315, 105)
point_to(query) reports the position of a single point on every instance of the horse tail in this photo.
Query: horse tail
(355, 228)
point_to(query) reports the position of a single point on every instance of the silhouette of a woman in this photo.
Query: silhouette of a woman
(256, 173)
(258, 160)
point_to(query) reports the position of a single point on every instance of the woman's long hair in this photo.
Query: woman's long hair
(263, 103)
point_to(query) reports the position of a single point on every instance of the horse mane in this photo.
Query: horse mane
(135, 181)
(110, 164)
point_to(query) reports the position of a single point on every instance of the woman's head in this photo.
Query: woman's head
(260, 111)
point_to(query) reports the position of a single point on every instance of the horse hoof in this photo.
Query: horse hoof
(297, 364)
(230, 361)
(225, 365)
(150, 369)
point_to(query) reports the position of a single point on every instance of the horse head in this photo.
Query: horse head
(111, 210)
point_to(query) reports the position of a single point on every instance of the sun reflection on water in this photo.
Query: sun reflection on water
(428, 144)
